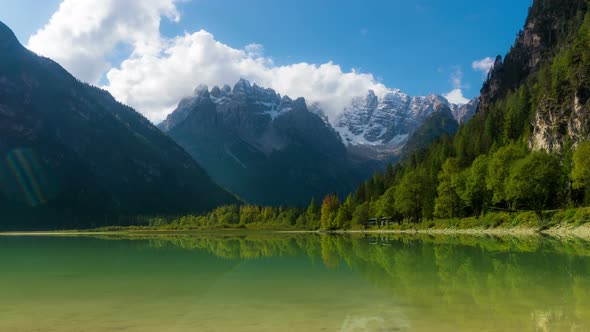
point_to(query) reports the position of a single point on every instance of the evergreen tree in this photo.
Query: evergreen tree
(344, 216)
(410, 194)
(448, 203)
(475, 193)
(312, 215)
(535, 181)
(361, 214)
(329, 212)
(500, 164)
(385, 206)
(581, 168)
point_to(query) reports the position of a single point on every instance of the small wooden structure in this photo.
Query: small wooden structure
(380, 222)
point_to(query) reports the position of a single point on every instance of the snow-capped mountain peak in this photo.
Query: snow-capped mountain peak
(258, 99)
(388, 119)
(382, 119)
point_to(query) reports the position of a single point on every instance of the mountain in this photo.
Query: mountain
(462, 113)
(244, 135)
(384, 123)
(439, 123)
(73, 157)
(526, 146)
(266, 148)
(547, 71)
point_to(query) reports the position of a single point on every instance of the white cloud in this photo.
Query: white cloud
(484, 65)
(456, 77)
(155, 83)
(81, 34)
(254, 50)
(456, 95)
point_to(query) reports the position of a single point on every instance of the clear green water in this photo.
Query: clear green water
(293, 283)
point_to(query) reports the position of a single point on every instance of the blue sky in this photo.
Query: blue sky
(417, 46)
(412, 45)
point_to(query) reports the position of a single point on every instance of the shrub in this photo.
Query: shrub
(525, 219)
(582, 216)
(494, 220)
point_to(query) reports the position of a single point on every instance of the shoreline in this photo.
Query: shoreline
(560, 231)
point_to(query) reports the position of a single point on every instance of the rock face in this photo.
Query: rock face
(257, 143)
(462, 113)
(266, 148)
(555, 125)
(565, 119)
(386, 122)
(441, 122)
(73, 157)
(561, 117)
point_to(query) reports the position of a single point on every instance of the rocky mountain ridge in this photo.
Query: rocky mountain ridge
(240, 134)
(547, 65)
(389, 119)
(267, 148)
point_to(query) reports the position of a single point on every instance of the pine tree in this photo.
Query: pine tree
(329, 212)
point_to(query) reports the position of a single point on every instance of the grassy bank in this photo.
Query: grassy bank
(571, 222)
(503, 220)
(574, 222)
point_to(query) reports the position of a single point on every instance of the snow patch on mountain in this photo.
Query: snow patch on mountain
(387, 119)
(260, 100)
(462, 113)
(383, 120)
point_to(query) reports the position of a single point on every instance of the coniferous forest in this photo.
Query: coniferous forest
(511, 163)
(354, 206)
(524, 157)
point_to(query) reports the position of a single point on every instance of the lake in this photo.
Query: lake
(293, 282)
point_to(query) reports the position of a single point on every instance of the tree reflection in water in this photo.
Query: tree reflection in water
(518, 283)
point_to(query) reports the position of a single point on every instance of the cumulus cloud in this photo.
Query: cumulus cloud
(484, 65)
(254, 50)
(81, 34)
(456, 95)
(155, 83)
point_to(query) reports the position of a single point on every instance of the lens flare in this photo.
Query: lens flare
(27, 173)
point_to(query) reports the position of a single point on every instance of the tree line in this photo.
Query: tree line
(486, 166)
(510, 179)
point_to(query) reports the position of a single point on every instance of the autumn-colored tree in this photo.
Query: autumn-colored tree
(329, 212)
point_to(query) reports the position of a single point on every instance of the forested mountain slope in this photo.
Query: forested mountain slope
(268, 149)
(526, 148)
(73, 157)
